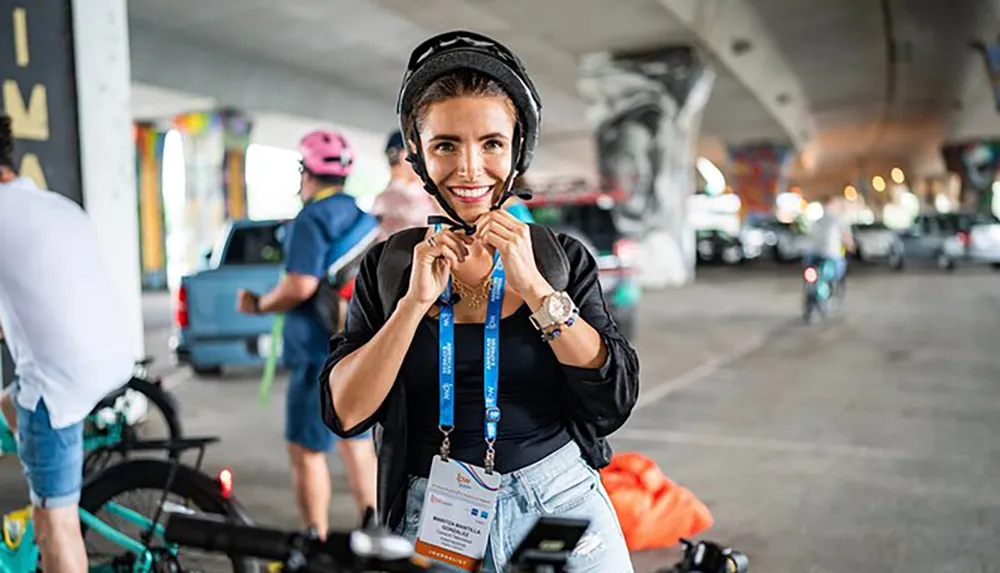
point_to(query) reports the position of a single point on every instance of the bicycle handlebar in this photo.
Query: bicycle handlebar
(353, 551)
(708, 557)
(374, 549)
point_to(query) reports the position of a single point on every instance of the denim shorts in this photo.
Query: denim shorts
(561, 484)
(52, 459)
(304, 424)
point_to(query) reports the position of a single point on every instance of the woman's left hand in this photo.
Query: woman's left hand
(512, 239)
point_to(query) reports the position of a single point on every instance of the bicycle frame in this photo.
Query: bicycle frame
(23, 557)
(8, 445)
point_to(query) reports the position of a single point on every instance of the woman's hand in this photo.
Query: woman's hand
(433, 260)
(512, 239)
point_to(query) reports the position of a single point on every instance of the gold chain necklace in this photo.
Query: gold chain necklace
(473, 296)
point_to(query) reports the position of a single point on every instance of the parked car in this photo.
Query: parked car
(718, 246)
(786, 242)
(980, 234)
(209, 333)
(874, 241)
(753, 241)
(932, 238)
(586, 216)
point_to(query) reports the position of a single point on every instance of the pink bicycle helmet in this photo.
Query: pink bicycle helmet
(326, 153)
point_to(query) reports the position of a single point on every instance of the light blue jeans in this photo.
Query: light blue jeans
(563, 485)
(52, 459)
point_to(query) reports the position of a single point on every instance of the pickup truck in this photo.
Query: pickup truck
(209, 332)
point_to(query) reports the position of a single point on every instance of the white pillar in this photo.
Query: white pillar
(107, 152)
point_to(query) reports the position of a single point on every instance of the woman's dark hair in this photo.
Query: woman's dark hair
(463, 83)
(6, 142)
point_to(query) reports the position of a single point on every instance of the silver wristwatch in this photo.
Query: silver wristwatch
(557, 308)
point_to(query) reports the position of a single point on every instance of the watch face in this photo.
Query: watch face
(560, 307)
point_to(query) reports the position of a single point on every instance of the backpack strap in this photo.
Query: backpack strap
(394, 266)
(397, 257)
(550, 256)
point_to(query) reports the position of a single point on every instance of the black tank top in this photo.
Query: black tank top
(530, 396)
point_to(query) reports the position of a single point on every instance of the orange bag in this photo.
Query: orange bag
(654, 512)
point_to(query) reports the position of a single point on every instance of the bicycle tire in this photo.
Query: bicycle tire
(152, 474)
(163, 400)
(159, 398)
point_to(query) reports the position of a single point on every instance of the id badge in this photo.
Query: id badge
(457, 513)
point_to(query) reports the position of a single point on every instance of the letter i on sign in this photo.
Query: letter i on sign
(28, 120)
(21, 54)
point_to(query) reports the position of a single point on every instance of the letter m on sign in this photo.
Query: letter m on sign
(31, 120)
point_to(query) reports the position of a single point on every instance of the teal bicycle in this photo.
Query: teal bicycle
(121, 534)
(136, 412)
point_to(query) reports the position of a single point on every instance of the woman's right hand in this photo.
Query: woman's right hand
(433, 260)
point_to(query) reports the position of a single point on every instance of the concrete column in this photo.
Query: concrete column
(64, 70)
(760, 172)
(976, 164)
(149, 139)
(646, 111)
(215, 144)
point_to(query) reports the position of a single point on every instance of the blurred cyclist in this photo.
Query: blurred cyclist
(70, 345)
(830, 237)
(404, 203)
(327, 216)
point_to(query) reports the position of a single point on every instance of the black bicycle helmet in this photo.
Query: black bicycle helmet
(463, 50)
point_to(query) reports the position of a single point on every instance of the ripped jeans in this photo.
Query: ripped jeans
(561, 484)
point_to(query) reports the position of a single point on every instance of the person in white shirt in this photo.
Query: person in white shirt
(404, 203)
(830, 237)
(70, 344)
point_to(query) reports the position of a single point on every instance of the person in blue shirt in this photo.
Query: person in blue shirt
(327, 217)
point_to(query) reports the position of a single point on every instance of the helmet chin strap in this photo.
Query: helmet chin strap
(508, 192)
(452, 219)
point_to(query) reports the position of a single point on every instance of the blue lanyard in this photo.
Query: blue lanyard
(491, 361)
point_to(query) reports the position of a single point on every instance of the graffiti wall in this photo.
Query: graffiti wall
(215, 144)
(645, 109)
(149, 141)
(976, 164)
(760, 173)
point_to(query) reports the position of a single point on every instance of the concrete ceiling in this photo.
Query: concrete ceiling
(818, 74)
(885, 79)
(359, 47)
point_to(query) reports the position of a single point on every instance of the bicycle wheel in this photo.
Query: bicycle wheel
(138, 485)
(145, 411)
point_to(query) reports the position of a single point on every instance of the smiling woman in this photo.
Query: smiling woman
(466, 146)
(424, 360)
(464, 123)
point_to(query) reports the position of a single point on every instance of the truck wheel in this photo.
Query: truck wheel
(945, 263)
(207, 371)
(896, 262)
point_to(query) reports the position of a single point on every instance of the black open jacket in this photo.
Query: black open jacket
(597, 401)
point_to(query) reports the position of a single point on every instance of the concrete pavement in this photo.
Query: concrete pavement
(857, 445)
(861, 445)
